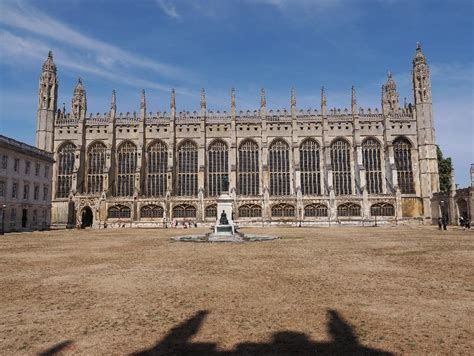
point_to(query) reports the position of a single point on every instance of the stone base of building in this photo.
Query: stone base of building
(142, 212)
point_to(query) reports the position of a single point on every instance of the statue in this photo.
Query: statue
(225, 184)
(223, 220)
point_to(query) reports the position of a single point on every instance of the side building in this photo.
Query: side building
(298, 167)
(456, 203)
(25, 186)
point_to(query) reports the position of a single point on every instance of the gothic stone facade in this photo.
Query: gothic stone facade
(327, 166)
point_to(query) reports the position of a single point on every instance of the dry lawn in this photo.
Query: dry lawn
(399, 290)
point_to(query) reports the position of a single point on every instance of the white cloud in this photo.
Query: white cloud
(168, 8)
(17, 49)
(23, 16)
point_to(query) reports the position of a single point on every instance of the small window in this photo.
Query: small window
(283, 210)
(16, 166)
(26, 191)
(13, 217)
(2, 189)
(36, 193)
(14, 190)
(211, 211)
(151, 211)
(119, 212)
(45, 192)
(27, 167)
(37, 169)
(46, 171)
(4, 161)
(348, 209)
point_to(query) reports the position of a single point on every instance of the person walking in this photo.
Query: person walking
(445, 223)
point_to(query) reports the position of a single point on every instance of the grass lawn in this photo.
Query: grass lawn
(326, 290)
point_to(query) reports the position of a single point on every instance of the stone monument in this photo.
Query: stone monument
(224, 230)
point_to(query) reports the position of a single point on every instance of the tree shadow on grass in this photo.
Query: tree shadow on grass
(343, 341)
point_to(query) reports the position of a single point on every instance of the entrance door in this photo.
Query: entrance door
(87, 217)
(24, 218)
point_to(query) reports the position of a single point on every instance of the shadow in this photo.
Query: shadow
(176, 342)
(56, 348)
(343, 341)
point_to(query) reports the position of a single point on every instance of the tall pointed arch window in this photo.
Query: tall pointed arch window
(341, 167)
(66, 158)
(279, 164)
(310, 168)
(371, 157)
(249, 176)
(157, 166)
(402, 155)
(187, 182)
(217, 167)
(127, 164)
(96, 167)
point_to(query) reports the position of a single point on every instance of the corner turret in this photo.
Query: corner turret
(47, 105)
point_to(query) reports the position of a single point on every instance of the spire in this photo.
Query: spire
(263, 100)
(79, 88)
(232, 99)
(419, 56)
(47, 105)
(390, 82)
(173, 100)
(323, 101)
(354, 101)
(421, 77)
(390, 99)
(49, 65)
(79, 101)
(143, 100)
(203, 99)
(293, 98)
(113, 103)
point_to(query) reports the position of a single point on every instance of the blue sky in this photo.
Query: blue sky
(246, 44)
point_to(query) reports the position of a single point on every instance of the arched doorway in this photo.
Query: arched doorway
(87, 217)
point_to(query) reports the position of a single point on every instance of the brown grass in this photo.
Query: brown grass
(402, 290)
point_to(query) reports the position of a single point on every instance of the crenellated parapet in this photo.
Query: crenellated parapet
(218, 117)
(65, 119)
(188, 117)
(282, 115)
(98, 119)
(158, 118)
(128, 119)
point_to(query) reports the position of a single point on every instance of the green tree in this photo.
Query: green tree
(445, 167)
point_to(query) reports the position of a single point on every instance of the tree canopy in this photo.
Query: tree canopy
(445, 167)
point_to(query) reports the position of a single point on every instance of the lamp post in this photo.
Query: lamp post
(2, 231)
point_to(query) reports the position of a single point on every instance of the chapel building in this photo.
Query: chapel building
(297, 167)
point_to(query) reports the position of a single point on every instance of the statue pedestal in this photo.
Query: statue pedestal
(224, 230)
